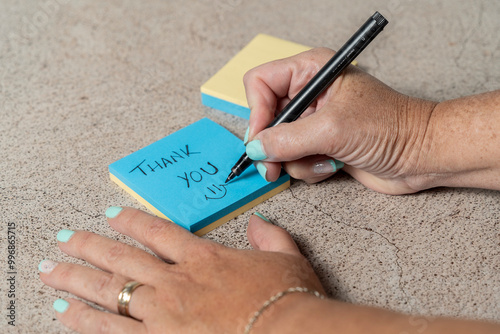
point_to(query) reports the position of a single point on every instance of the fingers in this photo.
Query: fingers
(112, 256)
(313, 169)
(263, 92)
(286, 142)
(270, 171)
(96, 286)
(82, 318)
(267, 237)
(164, 238)
(264, 236)
(270, 86)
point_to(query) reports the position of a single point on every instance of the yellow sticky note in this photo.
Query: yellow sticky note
(225, 90)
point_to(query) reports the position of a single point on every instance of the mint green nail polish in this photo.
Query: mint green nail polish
(254, 150)
(245, 140)
(64, 235)
(258, 214)
(113, 211)
(60, 305)
(261, 168)
(338, 164)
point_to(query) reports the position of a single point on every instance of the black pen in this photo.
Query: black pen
(322, 80)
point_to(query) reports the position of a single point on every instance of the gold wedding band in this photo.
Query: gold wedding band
(125, 296)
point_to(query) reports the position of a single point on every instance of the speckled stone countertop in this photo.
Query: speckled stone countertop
(84, 83)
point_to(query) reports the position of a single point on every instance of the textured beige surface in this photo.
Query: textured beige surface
(83, 83)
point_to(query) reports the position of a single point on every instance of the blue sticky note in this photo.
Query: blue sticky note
(182, 177)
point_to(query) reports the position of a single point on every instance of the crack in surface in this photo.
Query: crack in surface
(85, 213)
(370, 230)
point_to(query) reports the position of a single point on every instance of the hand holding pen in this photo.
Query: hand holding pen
(390, 142)
(321, 80)
(354, 120)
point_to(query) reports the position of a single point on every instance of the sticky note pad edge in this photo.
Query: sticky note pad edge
(285, 179)
(229, 107)
(258, 197)
(227, 84)
(243, 209)
(139, 198)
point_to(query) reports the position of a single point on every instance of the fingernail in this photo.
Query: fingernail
(60, 305)
(261, 168)
(254, 150)
(327, 166)
(245, 140)
(113, 211)
(46, 266)
(64, 235)
(258, 214)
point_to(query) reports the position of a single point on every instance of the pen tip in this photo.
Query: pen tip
(230, 177)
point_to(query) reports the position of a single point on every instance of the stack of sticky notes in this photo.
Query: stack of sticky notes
(182, 177)
(225, 90)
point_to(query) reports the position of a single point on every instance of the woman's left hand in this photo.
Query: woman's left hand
(193, 285)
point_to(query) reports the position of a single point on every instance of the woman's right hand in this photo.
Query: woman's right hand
(377, 132)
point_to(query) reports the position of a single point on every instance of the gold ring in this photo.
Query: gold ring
(125, 296)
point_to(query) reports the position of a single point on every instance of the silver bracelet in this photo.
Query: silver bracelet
(274, 299)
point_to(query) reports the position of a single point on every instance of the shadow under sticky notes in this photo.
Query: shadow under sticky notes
(182, 177)
(225, 90)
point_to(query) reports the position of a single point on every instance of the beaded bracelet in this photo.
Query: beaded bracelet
(274, 299)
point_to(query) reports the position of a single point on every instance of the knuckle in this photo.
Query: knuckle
(318, 55)
(83, 241)
(156, 231)
(115, 252)
(103, 286)
(252, 74)
(248, 76)
(328, 130)
(324, 51)
(208, 251)
(78, 320)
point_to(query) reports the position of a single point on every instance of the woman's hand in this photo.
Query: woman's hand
(192, 286)
(197, 286)
(377, 132)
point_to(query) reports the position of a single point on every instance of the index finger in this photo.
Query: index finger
(270, 85)
(264, 85)
(166, 239)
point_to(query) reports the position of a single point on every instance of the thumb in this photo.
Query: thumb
(291, 141)
(267, 237)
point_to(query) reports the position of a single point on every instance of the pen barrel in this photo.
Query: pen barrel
(243, 163)
(331, 70)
